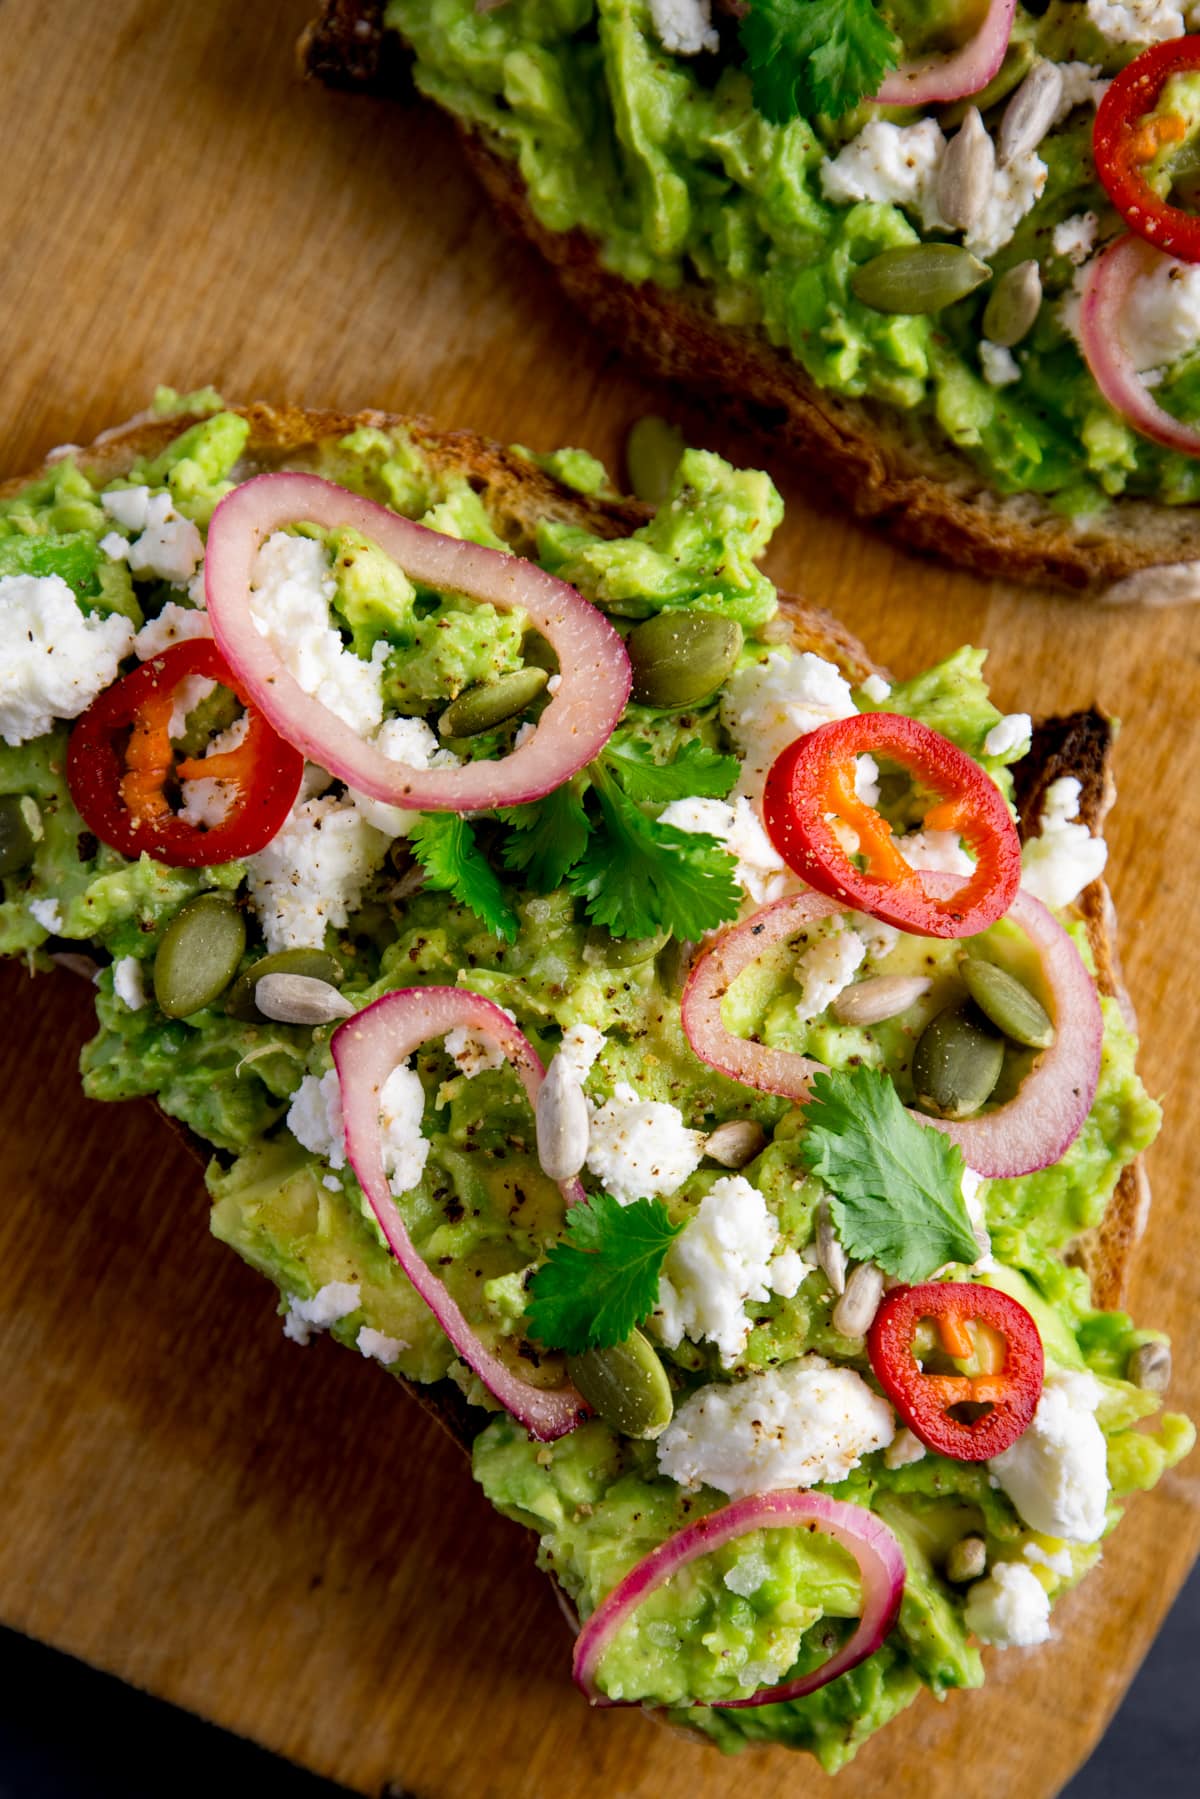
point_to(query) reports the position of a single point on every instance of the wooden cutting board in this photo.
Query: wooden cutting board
(278, 1539)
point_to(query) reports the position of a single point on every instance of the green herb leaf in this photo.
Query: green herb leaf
(697, 772)
(595, 1288)
(816, 56)
(895, 1185)
(444, 844)
(548, 837)
(639, 877)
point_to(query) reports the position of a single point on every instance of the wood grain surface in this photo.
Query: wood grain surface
(276, 1538)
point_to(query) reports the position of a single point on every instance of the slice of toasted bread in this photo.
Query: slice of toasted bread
(926, 493)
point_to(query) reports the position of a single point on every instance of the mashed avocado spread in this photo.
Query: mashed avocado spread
(665, 160)
(395, 902)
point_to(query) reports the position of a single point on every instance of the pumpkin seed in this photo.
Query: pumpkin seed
(626, 1386)
(966, 173)
(918, 278)
(1030, 113)
(966, 1560)
(563, 1126)
(831, 1257)
(317, 964)
(884, 996)
(674, 963)
(1007, 1003)
(679, 658)
(1150, 1367)
(20, 829)
(736, 1143)
(652, 452)
(1018, 60)
(854, 1313)
(483, 708)
(1013, 305)
(300, 999)
(198, 955)
(538, 652)
(956, 1062)
(601, 949)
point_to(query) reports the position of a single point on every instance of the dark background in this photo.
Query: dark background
(67, 1732)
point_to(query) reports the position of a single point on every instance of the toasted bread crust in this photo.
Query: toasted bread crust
(928, 495)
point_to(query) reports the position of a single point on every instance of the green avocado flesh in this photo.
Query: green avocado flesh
(482, 1212)
(666, 162)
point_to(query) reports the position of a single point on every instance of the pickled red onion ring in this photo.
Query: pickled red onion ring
(935, 80)
(1110, 282)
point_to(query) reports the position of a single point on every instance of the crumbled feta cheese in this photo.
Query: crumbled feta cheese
(334, 1301)
(1075, 238)
(791, 1427)
(903, 1449)
(1059, 863)
(1137, 21)
(128, 507)
(315, 1118)
(721, 1260)
(1012, 733)
(941, 852)
(1000, 366)
(788, 1269)
(1162, 315)
(472, 1052)
(894, 164)
(169, 548)
(313, 871)
(641, 1148)
(1014, 190)
(1059, 1561)
(47, 913)
(54, 660)
(408, 740)
(1080, 87)
(880, 939)
(173, 624)
(581, 1044)
(1010, 1608)
(289, 603)
(761, 870)
(877, 689)
(401, 1107)
(378, 1345)
(128, 985)
(827, 967)
(977, 1213)
(205, 801)
(767, 705)
(684, 26)
(1056, 1472)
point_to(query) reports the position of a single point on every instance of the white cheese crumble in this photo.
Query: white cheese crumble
(1161, 321)
(641, 1148)
(1137, 21)
(581, 1044)
(128, 985)
(791, 1427)
(168, 547)
(893, 164)
(1013, 192)
(205, 800)
(941, 852)
(1009, 1609)
(1080, 86)
(877, 689)
(174, 624)
(47, 913)
(334, 1301)
(769, 704)
(313, 871)
(1075, 238)
(378, 1345)
(721, 1260)
(826, 968)
(472, 1052)
(1000, 366)
(54, 660)
(1014, 732)
(1056, 1472)
(684, 26)
(405, 1150)
(903, 1449)
(315, 1118)
(1057, 865)
(289, 602)
(761, 870)
(408, 740)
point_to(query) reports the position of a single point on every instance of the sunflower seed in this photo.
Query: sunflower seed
(1150, 1367)
(831, 1257)
(300, 999)
(563, 1127)
(1030, 113)
(1014, 304)
(966, 1560)
(870, 1002)
(736, 1143)
(854, 1313)
(968, 169)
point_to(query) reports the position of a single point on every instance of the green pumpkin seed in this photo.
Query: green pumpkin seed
(674, 964)
(20, 829)
(1018, 60)
(317, 964)
(538, 652)
(627, 1386)
(680, 658)
(956, 1062)
(1007, 1003)
(602, 950)
(918, 278)
(1013, 305)
(198, 955)
(483, 708)
(652, 452)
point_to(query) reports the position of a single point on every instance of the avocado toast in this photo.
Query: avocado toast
(720, 246)
(261, 1094)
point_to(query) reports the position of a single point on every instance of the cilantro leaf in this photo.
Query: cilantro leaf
(696, 772)
(548, 837)
(895, 1184)
(815, 56)
(444, 844)
(592, 1290)
(639, 877)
